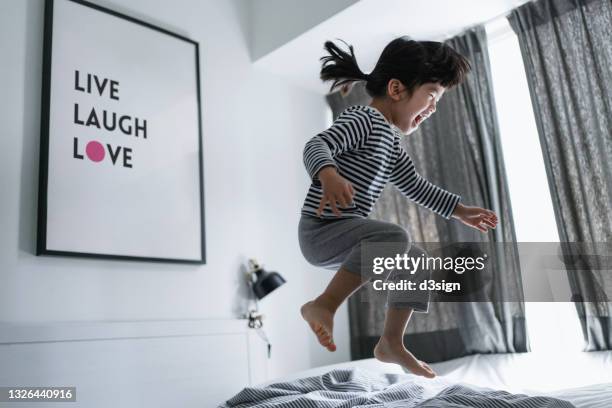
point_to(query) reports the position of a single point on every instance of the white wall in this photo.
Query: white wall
(288, 35)
(254, 128)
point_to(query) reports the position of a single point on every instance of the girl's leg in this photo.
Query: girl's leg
(390, 347)
(319, 313)
(334, 243)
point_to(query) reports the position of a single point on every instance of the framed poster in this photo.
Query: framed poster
(121, 172)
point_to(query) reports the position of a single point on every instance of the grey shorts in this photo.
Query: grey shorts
(335, 243)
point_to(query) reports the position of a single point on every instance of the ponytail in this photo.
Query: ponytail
(412, 62)
(340, 66)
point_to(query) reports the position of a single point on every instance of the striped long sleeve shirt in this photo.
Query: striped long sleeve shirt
(365, 149)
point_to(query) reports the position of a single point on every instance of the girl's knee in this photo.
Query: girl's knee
(399, 236)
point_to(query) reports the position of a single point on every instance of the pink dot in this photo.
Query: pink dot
(95, 151)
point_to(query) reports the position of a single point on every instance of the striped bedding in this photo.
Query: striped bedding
(356, 387)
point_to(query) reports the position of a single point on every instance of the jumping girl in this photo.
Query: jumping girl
(350, 163)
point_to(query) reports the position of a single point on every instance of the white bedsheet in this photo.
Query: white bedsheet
(524, 372)
(585, 379)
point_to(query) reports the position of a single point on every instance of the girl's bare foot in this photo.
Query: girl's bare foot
(395, 352)
(321, 321)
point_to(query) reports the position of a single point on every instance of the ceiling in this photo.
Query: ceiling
(369, 25)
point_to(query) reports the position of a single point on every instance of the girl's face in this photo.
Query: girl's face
(409, 111)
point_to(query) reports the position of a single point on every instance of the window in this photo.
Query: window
(552, 327)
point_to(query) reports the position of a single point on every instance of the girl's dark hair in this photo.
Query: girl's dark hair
(412, 62)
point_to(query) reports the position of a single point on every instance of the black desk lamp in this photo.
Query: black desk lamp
(261, 283)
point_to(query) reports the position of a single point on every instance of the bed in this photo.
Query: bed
(510, 380)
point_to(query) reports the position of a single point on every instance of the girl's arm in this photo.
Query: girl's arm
(405, 177)
(421, 191)
(350, 130)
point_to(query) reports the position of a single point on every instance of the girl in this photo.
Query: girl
(351, 162)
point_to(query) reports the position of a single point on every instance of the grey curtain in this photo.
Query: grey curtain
(458, 149)
(567, 52)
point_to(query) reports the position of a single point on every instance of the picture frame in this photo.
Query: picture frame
(121, 160)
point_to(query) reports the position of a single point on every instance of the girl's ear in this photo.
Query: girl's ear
(347, 88)
(395, 89)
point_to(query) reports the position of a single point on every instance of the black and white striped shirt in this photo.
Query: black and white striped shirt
(365, 149)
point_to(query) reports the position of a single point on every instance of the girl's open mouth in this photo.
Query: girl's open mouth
(419, 118)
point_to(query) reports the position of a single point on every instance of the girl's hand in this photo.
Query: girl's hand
(335, 189)
(475, 217)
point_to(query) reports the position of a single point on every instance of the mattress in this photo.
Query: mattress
(584, 379)
(530, 372)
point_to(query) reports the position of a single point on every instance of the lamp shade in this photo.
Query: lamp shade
(266, 282)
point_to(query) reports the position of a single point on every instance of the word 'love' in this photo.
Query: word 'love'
(96, 152)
